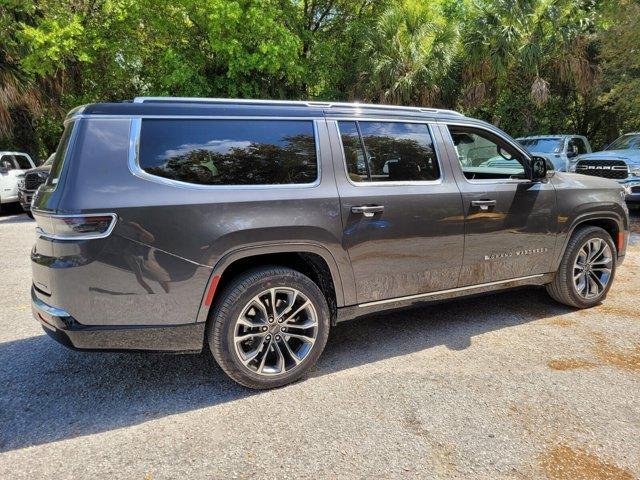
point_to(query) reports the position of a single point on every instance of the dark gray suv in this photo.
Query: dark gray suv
(252, 227)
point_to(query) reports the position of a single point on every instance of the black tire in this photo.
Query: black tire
(29, 214)
(563, 289)
(229, 306)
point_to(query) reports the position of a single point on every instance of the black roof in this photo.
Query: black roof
(238, 107)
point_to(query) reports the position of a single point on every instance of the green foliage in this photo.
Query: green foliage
(408, 53)
(532, 66)
(620, 58)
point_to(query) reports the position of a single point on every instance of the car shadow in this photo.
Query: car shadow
(13, 213)
(49, 393)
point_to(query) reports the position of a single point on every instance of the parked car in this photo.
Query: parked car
(561, 150)
(252, 227)
(12, 167)
(620, 161)
(30, 182)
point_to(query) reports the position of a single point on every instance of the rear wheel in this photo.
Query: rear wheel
(586, 270)
(269, 327)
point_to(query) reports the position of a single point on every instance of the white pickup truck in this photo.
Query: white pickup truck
(12, 167)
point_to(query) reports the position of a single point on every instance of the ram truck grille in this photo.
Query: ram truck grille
(614, 169)
(33, 181)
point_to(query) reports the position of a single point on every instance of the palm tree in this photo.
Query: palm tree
(16, 91)
(534, 41)
(407, 54)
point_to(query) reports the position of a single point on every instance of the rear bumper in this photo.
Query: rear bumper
(65, 329)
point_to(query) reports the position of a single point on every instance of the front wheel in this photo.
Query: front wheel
(269, 327)
(587, 269)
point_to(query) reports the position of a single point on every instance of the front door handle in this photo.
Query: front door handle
(368, 210)
(483, 204)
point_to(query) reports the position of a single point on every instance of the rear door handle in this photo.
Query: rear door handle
(368, 210)
(483, 204)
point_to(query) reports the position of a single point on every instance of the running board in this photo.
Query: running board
(348, 313)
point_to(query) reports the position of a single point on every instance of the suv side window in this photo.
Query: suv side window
(388, 151)
(230, 152)
(484, 156)
(22, 162)
(579, 145)
(7, 162)
(354, 156)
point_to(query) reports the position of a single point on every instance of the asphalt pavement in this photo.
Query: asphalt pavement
(504, 386)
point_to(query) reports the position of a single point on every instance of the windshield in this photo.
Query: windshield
(542, 145)
(626, 142)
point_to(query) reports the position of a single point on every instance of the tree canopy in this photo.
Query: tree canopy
(530, 66)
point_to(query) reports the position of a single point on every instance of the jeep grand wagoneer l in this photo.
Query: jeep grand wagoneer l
(252, 227)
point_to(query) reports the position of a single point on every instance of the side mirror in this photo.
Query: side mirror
(572, 154)
(538, 170)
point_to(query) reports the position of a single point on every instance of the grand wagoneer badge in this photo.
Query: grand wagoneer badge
(517, 253)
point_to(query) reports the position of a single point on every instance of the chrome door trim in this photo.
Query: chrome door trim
(451, 290)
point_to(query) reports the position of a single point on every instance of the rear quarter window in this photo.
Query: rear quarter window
(229, 152)
(58, 159)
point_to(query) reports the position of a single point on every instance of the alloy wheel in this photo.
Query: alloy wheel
(275, 331)
(592, 268)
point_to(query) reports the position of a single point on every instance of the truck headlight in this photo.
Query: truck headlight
(635, 171)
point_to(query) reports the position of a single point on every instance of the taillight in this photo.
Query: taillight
(75, 227)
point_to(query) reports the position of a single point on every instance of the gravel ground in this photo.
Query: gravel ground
(506, 386)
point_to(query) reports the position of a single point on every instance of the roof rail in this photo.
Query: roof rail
(296, 103)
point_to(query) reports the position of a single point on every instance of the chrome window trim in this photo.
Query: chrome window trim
(133, 160)
(451, 290)
(106, 233)
(372, 118)
(488, 181)
(394, 183)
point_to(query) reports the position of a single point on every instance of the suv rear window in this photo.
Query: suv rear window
(230, 152)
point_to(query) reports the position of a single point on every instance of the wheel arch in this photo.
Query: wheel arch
(314, 261)
(612, 223)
